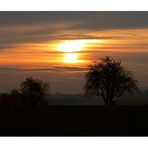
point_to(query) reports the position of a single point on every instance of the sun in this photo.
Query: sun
(71, 58)
(71, 46)
(71, 49)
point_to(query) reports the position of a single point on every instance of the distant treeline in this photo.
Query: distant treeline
(141, 94)
(16, 98)
(139, 97)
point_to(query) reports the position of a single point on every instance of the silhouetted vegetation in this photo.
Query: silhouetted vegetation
(32, 92)
(10, 99)
(107, 78)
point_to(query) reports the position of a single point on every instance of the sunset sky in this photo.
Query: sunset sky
(57, 47)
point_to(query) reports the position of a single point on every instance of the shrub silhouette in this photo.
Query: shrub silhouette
(33, 92)
(10, 99)
(107, 78)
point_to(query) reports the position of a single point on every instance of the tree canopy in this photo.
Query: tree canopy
(33, 91)
(106, 77)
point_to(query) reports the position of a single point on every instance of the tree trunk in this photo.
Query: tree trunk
(106, 102)
(111, 101)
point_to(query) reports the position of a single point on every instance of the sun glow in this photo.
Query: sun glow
(71, 58)
(71, 46)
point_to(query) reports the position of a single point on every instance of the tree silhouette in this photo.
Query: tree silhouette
(10, 99)
(33, 91)
(107, 78)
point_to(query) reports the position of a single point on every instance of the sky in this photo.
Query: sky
(57, 46)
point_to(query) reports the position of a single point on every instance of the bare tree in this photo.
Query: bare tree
(107, 78)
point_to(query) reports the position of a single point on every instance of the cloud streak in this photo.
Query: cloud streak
(46, 69)
(36, 27)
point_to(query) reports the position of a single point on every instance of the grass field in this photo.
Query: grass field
(74, 121)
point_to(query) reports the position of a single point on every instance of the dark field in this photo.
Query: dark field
(74, 121)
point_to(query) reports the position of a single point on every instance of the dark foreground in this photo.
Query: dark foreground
(74, 121)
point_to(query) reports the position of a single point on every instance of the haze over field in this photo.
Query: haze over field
(57, 47)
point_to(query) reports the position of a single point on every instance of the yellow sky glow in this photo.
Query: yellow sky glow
(75, 45)
(72, 47)
(77, 51)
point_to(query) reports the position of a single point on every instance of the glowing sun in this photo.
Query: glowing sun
(71, 49)
(71, 46)
(71, 58)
